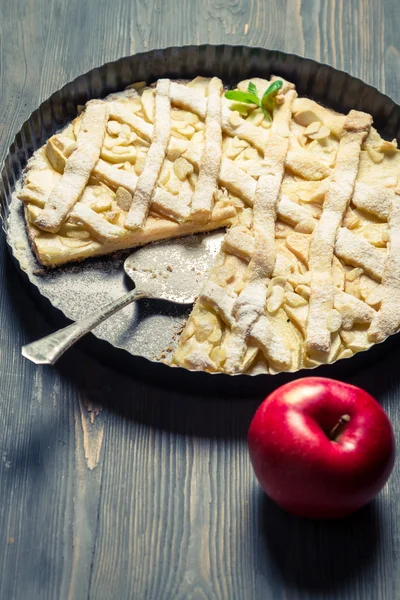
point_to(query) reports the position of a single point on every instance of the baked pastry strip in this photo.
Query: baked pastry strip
(122, 114)
(154, 159)
(250, 304)
(352, 310)
(163, 202)
(358, 252)
(101, 229)
(387, 320)
(374, 200)
(78, 168)
(216, 297)
(356, 128)
(271, 343)
(207, 182)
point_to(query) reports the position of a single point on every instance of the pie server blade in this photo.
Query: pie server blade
(174, 271)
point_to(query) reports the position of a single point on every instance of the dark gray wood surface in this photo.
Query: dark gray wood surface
(111, 488)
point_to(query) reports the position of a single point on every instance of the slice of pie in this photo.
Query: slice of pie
(309, 270)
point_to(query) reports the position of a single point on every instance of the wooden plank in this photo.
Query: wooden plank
(110, 488)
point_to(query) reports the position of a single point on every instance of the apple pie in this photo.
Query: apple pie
(309, 270)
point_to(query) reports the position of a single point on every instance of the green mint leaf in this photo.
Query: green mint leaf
(267, 102)
(252, 88)
(268, 99)
(242, 97)
(273, 88)
(267, 114)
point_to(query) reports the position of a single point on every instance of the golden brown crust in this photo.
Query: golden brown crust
(78, 168)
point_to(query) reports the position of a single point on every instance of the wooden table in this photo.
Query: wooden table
(111, 488)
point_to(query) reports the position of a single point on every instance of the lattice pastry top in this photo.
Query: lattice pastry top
(309, 271)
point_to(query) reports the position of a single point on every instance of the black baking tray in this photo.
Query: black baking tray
(330, 87)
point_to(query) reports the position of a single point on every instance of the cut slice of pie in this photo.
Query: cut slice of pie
(309, 270)
(117, 177)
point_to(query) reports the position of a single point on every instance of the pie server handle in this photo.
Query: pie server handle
(48, 350)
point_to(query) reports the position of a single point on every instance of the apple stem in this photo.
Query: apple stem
(338, 428)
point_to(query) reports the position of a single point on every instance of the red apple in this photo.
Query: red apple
(321, 448)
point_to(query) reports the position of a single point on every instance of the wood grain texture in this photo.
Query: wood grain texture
(112, 488)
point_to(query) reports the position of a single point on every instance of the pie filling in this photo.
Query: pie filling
(309, 270)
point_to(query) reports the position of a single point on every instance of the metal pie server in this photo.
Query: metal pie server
(174, 271)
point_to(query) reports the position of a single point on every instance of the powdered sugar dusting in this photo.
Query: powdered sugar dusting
(147, 328)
